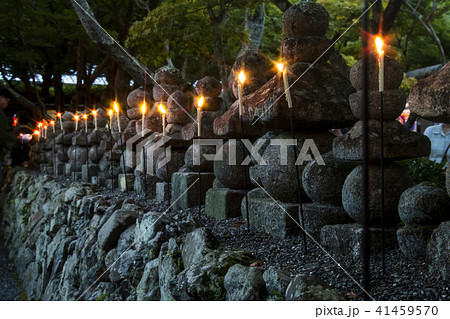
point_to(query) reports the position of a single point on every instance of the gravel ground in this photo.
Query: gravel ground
(9, 286)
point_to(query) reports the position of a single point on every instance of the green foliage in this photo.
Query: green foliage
(424, 170)
(407, 83)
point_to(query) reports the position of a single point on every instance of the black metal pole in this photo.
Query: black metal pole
(87, 159)
(199, 183)
(111, 169)
(383, 242)
(54, 157)
(365, 146)
(302, 217)
(167, 174)
(75, 163)
(245, 174)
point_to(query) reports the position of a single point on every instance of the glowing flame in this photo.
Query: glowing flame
(85, 116)
(110, 112)
(94, 112)
(161, 109)
(379, 45)
(45, 127)
(201, 101)
(76, 118)
(21, 134)
(52, 122)
(116, 106)
(39, 124)
(58, 114)
(242, 77)
(143, 108)
(36, 133)
(280, 67)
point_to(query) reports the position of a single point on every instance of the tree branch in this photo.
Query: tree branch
(283, 5)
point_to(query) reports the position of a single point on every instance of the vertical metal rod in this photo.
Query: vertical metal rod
(167, 175)
(199, 187)
(110, 158)
(302, 217)
(75, 163)
(87, 160)
(245, 174)
(365, 170)
(54, 157)
(383, 242)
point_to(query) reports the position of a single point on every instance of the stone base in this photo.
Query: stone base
(68, 169)
(162, 191)
(76, 176)
(346, 240)
(184, 197)
(145, 186)
(59, 169)
(318, 215)
(267, 216)
(43, 167)
(86, 175)
(126, 182)
(112, 183)
(413, 241)
(223, 203)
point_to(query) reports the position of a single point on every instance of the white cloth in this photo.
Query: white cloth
(439, 142)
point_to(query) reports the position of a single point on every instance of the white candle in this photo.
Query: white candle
(287, 91)
(85, 122)
(241, 80)
(95, 118)
(199, 115)
(143, 110)
(52, 123)
(163, 112)
(45, 132)
(379, 45)
(76, 123)
(110, 113)
(60, 120)
(116, 108)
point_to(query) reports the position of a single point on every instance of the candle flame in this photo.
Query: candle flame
(85, 116)
(45, 127)
(201, 101)
(76, 118)
(143, 108)
(116, 106)
(161, 108)
(36, 133)
(110, 112)
(58, 114)
(379, 45)
(21, 134)
(52, 122)
(94, 112)
(39, 124)
(242, 77)
(280, 66)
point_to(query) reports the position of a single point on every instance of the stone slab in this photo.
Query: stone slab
(346, 240)
(272, 217)
(87, 171)
(162, 192)
(318, 215)
(184, 197)
(223, 203)
(126, 182)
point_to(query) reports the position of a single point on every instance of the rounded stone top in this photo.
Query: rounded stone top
(176, 100)
(208, 86)
(136, 97)
(424, 204)
(168, 75)
(306, 18)
(393, 73)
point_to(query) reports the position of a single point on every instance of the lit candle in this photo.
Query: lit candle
(287, 91)
(200, 102)
(379, 45)
(241, 81)
(95, 118)
(116, 108)
(36, 132)
(40, 128)
(110, 113)
(143, 111)
(85, 121)
(52, 123)
(163, 112)
(76, 118)
(60, 119)
(45, 131)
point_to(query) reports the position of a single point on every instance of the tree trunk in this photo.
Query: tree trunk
(283, 5)
(59, 93)
(254, 26)
(106, 43)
